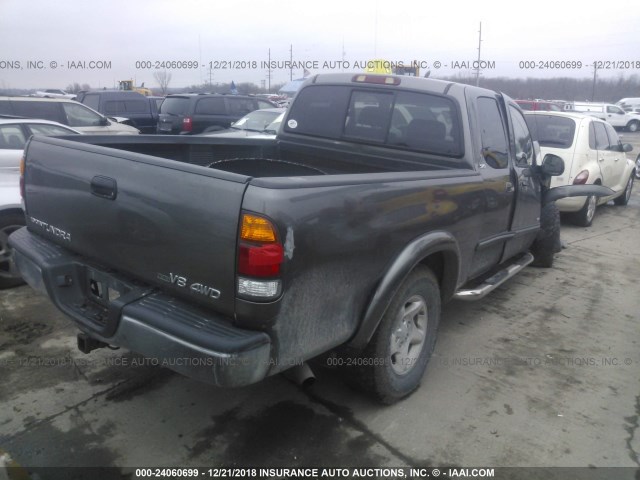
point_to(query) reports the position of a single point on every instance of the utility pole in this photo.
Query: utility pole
(595, 76)
(344, 54)
(291, 60)
(269, 73)
(478, 66)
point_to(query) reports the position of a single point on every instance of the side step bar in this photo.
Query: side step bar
(495, 281)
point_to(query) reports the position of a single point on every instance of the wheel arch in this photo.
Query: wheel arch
(437, 250)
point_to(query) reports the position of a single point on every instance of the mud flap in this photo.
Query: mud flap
(575, 191)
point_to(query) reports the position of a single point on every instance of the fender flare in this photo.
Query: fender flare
(414, 253)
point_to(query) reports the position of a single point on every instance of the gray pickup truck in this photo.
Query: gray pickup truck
(232, 260)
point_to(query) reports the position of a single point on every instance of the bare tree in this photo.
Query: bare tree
(163, 78)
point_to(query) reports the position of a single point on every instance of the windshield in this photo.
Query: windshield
(552, 131)
(274, 126)
(256, 121)
(175, 106)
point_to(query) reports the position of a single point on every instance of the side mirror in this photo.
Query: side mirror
(104, 121)
(627, 147)
(552, 165)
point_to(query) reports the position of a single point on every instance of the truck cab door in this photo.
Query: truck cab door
(616, 116)
(489, 119)
(525, 214)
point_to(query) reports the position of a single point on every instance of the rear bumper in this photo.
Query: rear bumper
(122, 312)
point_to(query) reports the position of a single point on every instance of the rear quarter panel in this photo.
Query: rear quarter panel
(341, 238)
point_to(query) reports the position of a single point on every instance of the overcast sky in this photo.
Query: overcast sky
(61, 38)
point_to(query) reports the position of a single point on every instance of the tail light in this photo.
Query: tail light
(187, 124)
(22, 168)
(260, 257)
(581, 178)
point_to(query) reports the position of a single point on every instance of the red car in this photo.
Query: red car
(539, 105)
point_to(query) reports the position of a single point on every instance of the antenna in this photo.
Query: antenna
(479, 45)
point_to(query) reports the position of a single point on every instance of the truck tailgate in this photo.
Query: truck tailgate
(170, 224)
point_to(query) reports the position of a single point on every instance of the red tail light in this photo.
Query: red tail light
(260, 260)
(187, 124)
(260, 256)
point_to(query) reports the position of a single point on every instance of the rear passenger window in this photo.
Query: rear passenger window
(113, 107)
(210, 106)
(495, 150)
(38, 109)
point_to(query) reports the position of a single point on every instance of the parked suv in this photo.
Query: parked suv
(140, 112)
(66, 112)
(613, 114)
(190, 113)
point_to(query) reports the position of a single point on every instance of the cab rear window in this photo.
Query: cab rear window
(400, 119)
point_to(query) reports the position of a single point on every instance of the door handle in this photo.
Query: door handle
(601, 159)
(104, 187)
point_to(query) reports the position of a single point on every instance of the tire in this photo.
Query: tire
(9, 276)
(624, 198)
(393, 363)
(547, 242)
(584, 217)
(633, 126)
(638, 167)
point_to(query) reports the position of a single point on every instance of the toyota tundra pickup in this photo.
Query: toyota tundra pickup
(231, 260)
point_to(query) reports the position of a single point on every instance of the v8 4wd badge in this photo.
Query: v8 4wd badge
(183, 282)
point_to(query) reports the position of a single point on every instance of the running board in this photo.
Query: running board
(495, 281)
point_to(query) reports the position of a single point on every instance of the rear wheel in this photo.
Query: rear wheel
(633, 126)
(584, 217)
(392, 365)
(9, 223)
(624, 198)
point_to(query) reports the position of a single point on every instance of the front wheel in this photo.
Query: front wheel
(9, 223)
(392, 365)
(633, 126)
(638, 167)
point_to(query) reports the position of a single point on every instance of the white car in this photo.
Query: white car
(14, 133)
(67, 112)
(263, 123)
(613, 114)
(54, 93)
(592, 154)
(11, 219)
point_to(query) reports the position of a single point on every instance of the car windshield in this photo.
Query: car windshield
(256, 121)
(552, 131)
(175, 106)
(274, 126)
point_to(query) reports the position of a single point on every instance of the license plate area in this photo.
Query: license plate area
(93, 297)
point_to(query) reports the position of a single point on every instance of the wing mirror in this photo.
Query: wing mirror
(627, 147)
(552, 165)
